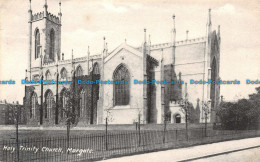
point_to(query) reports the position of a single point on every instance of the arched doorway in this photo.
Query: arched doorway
(177, 118)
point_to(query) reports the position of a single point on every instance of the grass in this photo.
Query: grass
(116, 143)
(11, 134)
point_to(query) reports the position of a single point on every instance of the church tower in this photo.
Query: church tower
(44, 37)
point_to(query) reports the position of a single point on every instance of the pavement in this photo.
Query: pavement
(237, 150)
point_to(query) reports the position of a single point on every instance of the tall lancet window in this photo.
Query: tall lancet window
(34, 102)
(95, 69)
(121, 91)
(79, 71)
(48, 75)
(37, 43)
(52, 44)
(64, 103)
(63, 74)
(82, 103)
(49, 99)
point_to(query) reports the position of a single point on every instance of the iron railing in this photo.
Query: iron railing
(107, 145)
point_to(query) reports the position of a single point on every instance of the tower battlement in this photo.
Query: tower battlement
(49, 16)
(38, 16)
(53, 18)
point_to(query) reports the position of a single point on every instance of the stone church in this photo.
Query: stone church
(196, 59)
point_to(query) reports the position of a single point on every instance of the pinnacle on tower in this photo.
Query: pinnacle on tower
(218, 29)
(72, 56)
(45, 5)
(144, 35)
(173, 31)
(30, 11)
(173, 17)
(60, 14)
(209, 20)
(30, 6)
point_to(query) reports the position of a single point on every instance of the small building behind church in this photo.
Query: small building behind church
(9, 112)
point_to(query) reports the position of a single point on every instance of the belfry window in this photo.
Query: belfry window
(121, 91)
(37, 43)
(52, 44)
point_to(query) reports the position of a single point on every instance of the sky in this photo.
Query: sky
(86, 22)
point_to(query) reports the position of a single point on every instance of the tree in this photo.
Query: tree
(194, 112)
(255, 100)
(71, 116)
(226, 113)
(207, 111)
(186, 108)
(166, 117)
(109, 115)
(243, 114)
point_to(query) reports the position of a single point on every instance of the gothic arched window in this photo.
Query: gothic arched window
(49, 99)
(48, 75)
(82, 103)
(121, 91)
(37, 43)
(52, 44)
(63, 74)
(34, 102)
(64, 99)
(79, 71)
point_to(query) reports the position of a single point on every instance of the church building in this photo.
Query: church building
(48, 104)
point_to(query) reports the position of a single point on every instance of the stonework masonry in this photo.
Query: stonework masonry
(196, 59)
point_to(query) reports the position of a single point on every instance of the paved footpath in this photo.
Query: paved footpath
(208, 152)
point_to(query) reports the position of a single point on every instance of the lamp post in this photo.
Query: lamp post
(92, 98)
(139, 128)
(15, 115)
(207, 111)
(41, 108)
